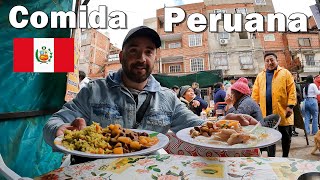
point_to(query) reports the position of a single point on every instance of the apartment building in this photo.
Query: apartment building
(94, 50)
(305, 47)
(237, 54)
(113, 61)
(183, 51)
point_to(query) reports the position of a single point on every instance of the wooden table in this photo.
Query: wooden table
(186, 167)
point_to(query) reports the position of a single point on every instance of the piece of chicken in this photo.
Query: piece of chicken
(237, 138)
(224, 134)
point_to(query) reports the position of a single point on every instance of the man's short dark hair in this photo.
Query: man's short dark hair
(270, 54)
(218, 85)
(82, 75)
(175, 87)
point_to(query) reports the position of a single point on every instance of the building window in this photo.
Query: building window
(175, 68)
(84, 36)
(113, 57)
(269, 37)
(196, 64)
(223, 35)
(260, 2)
(243, 35)
(217, 11)
(310, 60)
(304, 42)
(221, 61)
(241, 10)
(195, 40)
(246, 61)
(174, 45)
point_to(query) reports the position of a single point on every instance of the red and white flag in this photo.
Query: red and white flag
(43, 55)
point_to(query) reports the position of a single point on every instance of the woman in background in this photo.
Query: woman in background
(310, 92)
(193, 102)
(240, 102)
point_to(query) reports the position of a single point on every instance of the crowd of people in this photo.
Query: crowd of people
(133, 98)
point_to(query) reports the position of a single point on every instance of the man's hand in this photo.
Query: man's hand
(243, 119)
(229, 100)
(195, 103)
(77, 124)
(289, 112)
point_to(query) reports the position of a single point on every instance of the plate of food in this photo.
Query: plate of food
(109, 142)
(229, 135)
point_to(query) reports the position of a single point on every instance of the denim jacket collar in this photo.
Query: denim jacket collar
(114, 80)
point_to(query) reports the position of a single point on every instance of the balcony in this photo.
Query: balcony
(171, 37)
(172, 59)
(311, 66)
(248, 43)
(246, 66)
(222, 67)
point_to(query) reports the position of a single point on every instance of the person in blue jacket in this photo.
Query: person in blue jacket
(219, 93)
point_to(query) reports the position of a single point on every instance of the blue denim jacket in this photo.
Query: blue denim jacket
(107, 101)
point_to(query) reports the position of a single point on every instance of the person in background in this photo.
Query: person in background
(274, 90)
(197, 91)
(219, 93)
(232, 80)
(310, 92)
(240, 101)
(83, 79)
(250, 87)
(297, 110)
(192, 102)
(226, 85)
(175, 89)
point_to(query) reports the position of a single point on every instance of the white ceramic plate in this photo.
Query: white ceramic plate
(266, 137)
(163, 141)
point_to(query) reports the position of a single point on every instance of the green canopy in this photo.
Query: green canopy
(21, 144)
(204, 78)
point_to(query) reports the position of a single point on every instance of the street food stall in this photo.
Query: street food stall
(218, 149)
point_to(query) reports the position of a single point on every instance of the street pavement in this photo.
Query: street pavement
(299, 148)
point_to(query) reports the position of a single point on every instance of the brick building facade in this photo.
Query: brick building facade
(182, 51)
(113, 62)
(94, 51)
(238, 54)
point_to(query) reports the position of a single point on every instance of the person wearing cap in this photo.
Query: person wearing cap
(119, 98)
(240, 102)
(175, 89)
(192, 101)
(274, 90)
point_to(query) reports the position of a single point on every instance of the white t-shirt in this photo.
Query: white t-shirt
(84, 82)
(313, 91)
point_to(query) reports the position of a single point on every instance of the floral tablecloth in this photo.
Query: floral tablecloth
(169, 167)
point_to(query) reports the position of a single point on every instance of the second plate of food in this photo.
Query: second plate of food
(229, 136)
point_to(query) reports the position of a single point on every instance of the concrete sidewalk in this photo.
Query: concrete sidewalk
(299, 148)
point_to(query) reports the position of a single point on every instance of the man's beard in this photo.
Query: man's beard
(136, 77)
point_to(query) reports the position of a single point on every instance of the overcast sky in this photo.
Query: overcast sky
(137, 10)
